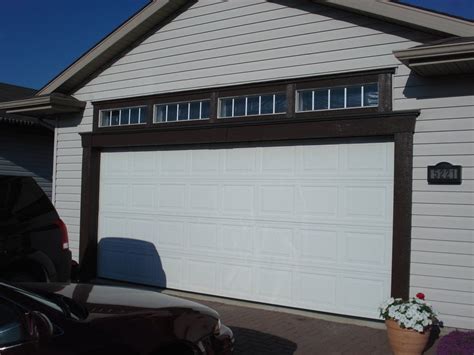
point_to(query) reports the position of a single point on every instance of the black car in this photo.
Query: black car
(34, 243)
(73, 319)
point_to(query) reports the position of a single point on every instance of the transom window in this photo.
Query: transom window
(268, 104)
(182, 111)
(336, 98)
(123, 116)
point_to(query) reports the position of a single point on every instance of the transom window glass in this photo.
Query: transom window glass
(123, 116)
(182, 111)
(338, 98)
(267, 104)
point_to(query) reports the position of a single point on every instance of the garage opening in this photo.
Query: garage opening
(306, 226)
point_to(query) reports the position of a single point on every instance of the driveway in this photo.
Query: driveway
(261, 332)
(265, 330)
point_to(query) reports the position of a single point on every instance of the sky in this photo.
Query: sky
(40, 38)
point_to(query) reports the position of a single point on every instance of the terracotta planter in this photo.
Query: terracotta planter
(406, 341)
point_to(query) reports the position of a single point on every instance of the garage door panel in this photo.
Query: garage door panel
(274, 285)
(141, 196)
(316, 245)
(202, 237)
(240, 161)
(143, 163)
(315, 289)
(236, 279)
(369, 158)
(277, 200)
(320, 159)
(361, 294)
(170, 234)
(115, 196)
(203, 198)
(366, 202)
(365, 248)
(299, 226)
(275, 242)
(238, 200)
(278, 160)
(173, 163)
(204, 161)
(170, 197)
(201, 276)
(237, 239)
(317, 200)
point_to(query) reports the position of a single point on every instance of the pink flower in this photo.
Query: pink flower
(420, 295)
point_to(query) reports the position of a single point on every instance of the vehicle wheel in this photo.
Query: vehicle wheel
(22, 276)
(27, 276)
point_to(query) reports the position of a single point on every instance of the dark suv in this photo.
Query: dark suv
(34, 243)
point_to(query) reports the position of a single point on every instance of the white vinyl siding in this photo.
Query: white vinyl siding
(217, 43)
(443, 215)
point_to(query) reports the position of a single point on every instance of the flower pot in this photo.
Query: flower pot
(406, 341)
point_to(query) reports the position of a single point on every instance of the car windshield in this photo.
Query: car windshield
(56, 304)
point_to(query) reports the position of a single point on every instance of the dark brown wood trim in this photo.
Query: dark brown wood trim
(385, 95)
(383, 77)
(396, 126)
(89, 209)
(229, 131)
(402, 212)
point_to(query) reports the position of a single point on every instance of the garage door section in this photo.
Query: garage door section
(307, 226)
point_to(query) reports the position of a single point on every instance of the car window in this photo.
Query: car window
(11, 326)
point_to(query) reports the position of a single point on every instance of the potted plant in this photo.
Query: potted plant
(409, 323)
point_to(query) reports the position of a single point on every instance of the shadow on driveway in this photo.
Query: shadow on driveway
(253, 342)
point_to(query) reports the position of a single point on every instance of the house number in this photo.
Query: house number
(444, 174)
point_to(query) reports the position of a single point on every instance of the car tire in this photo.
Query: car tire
(39, 275)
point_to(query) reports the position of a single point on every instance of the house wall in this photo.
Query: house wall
(218, 43)
(27, 151)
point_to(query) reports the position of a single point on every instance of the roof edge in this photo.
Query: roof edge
(98, 51)
(452, 49)
(407, 15)
(39, 106)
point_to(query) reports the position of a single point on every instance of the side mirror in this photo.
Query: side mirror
(39, 325)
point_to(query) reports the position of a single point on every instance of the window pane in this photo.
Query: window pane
(353, 96)
(205, 109)
(239, 106)
(252, 105)
(124, 116)
(321, 99)
(280, 103)
(134, 112)
(371, 95)
(337, 98)
(160, 113)
(143, 112)
(172, 111)
(105, 119)
(267, 104)
(194, 110)
(305, 101)
(115, 118)
(226, 108)
(183, 112)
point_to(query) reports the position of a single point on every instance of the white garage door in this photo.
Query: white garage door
(306, 226)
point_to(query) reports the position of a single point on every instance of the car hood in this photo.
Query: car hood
(112, 300)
